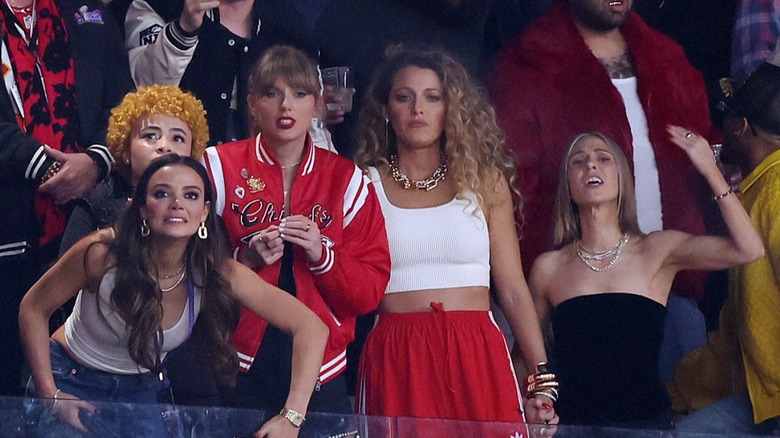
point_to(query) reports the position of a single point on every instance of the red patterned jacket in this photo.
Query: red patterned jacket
(548, 87)
(351, 277)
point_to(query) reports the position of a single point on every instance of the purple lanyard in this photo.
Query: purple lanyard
(191, 301)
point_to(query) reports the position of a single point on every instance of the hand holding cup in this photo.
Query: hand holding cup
(337, 93)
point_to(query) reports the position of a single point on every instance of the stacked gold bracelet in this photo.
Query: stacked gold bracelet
(542, 382)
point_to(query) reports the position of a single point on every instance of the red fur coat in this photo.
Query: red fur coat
(549, 87)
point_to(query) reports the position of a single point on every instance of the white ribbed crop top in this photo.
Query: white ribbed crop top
(435, 247)
(103, 344)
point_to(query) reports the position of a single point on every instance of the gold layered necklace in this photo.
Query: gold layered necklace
(427, 184)
(181, 273)
(178, 271)
(612, 254)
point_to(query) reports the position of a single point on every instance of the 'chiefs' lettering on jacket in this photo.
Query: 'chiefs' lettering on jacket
(350, 278)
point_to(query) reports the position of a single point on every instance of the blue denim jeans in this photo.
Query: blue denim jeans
(684, 331)
(132, 407)
(730, 416)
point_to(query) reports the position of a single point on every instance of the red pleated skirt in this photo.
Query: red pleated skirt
(446, 365)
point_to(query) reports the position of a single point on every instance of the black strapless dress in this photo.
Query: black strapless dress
(606, 357)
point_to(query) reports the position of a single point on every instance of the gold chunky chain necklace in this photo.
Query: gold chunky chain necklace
(612, 254)
(427, 184)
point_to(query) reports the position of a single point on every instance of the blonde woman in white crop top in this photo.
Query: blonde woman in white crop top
(166, 269)
(434, 152)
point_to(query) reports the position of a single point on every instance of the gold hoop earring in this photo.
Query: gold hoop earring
(145, 231)
(203, 232)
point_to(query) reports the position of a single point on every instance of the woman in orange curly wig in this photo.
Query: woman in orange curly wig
(150, 122)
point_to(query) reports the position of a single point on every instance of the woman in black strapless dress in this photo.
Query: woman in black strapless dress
(604, 290)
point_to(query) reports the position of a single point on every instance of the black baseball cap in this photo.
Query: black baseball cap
(758, 99)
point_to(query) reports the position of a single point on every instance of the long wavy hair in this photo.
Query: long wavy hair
(165, 100)
(137, 297)
(567, 213)
(472, 140)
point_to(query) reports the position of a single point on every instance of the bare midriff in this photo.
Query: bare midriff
(457, 298)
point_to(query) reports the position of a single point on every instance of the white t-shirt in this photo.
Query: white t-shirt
(648, 191)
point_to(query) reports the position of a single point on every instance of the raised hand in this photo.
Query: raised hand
(192, 15)
(697, 148)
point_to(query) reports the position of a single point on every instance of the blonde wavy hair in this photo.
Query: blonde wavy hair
(166, 100)
(472, 140)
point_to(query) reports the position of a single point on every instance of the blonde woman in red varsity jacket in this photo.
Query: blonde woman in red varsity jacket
(304, 219)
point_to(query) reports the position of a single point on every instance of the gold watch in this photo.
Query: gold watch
(296, 418)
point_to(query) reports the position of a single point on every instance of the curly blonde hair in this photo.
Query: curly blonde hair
(472, 140)
(167, 100)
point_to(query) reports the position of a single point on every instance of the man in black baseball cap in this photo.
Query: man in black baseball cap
(733, 382)
(753, 116)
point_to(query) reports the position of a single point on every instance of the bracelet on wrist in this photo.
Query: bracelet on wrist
(56, 393)
(51, 171)
(542, 382)
(730, 191)
(294, 417)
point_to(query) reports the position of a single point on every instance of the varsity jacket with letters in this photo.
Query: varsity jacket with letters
(350, 278)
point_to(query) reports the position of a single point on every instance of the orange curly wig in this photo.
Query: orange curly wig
(167, 100)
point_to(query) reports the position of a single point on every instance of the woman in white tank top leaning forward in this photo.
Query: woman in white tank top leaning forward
(161, 275)
(429, 140)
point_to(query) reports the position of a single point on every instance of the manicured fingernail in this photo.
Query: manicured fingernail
(281, 235)
(546, 406)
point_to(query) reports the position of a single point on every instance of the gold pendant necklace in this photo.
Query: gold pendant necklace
(178, 282)
(612, 254)
(178, 271)
(427, 184)
(289, 166)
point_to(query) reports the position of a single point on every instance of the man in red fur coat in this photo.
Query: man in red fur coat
(594, 65)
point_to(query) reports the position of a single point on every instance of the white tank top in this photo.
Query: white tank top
(438, 247)
(102, 343)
